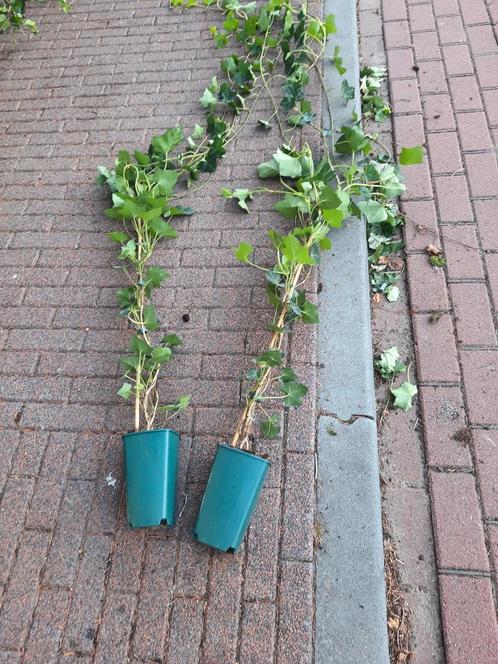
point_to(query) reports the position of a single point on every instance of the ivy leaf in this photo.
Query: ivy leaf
(392, 293)
(334, 218)
(162, 228)
(271, 358)
(128, 251)
(208, 100)
(243, 252)
(294, 393)
(288, 375)
(330, 26)
(348, 91)
(155, 276)
(125, 391)
(161, 355)
(242, 195)
(165, 180)
(268, 169)
(171, 340)
(150, 318)
(290, 205)
(411, 156)
(404, 395)
(177, 407)
(288, 166)
(374, 212)
(296, 252)
(198, 131)
(118, 236)
(164, 143)
(270, 428)
(389, 364)
(264, 124)
(325, 244)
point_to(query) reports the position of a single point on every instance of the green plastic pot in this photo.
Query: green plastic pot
(151, 468)
(230, 498)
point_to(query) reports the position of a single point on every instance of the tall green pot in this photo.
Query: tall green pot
(151, 468)
(230, 498)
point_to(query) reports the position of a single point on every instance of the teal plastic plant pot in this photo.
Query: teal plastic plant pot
(231, 494)
(151, 468)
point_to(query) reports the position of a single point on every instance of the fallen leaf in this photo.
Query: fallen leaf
(393, 622)
(376, 298)
(383, 260)
(431, 249)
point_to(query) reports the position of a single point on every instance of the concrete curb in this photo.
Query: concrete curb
(350, 591)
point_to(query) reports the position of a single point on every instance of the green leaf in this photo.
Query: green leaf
(244, 251)
(404, 395)
(165, 180)
(296, 252)
(334, 218)
(242, 195)
(150, 318)
(164, 143)
(128, 251)
(198, 131)
(294, 393)
(156, 275)
(125, 390)
(325, 244)
(389, 364)
(162, 228)
(271, 358)
(329, 23)
(411, 156)
(118, 236)
(290, 205)
(208, 99)
(268, 169)
(270, 428)
(171, 340)
(392, 293)
(288, 375)
(288, 166)
(374, 212)
(177, 407)
(161, 355)
(348, 91)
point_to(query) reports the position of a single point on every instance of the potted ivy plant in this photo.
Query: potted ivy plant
(142, 187)
(314, 197)
(238, 475)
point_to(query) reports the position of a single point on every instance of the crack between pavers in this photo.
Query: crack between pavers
(351, 420)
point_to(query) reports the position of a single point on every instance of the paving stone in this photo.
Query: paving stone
(47, 627)
(468, 636)
(436, 350)
(427, 285)
(447, 438)
(294, 636)
(458, 528)
(186, 631)
(151, 623)
(485, 443)
(115, 629)
(480, 376)
(21, 596)
(15, 500)
(258, 632)
(83, 620)
(473, 316)
(461, 249)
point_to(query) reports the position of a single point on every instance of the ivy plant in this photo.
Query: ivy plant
(13, 15)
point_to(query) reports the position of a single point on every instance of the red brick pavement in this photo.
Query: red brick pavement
(443, 76)
(76, 586)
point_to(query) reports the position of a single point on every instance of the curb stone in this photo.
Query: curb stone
(351, 623)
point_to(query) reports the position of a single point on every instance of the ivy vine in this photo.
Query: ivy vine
(275, 43)
(13, 16)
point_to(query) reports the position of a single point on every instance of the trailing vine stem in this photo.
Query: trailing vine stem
(349, 181)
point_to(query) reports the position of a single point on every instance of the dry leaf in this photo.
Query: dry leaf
(383, 260)
(396, 263)
(376, 298)
(432, 250)
(393, 622)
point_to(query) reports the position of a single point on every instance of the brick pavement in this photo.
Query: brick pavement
(443, 78)
(75, 585)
